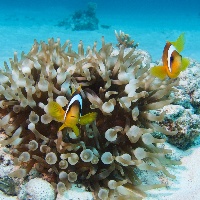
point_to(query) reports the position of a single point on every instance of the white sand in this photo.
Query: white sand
(187, 184)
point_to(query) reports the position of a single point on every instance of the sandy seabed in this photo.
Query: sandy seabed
(186, 185)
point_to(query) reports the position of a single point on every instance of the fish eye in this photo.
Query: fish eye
(171, 59)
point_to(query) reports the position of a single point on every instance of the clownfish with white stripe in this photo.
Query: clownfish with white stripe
(72, 116)
(173, 63)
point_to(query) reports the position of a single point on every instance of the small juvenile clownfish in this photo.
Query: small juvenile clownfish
(173, 63)
(72, 116)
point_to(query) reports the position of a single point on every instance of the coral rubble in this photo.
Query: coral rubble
(109, 152)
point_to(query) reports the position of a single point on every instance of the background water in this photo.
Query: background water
(149, 22)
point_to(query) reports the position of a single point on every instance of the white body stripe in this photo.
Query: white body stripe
(170, 51)
(78, 98)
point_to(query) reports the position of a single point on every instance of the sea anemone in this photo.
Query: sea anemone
(125, 40)
(109, 152)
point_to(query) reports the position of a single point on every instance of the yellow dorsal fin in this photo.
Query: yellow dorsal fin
(179, 43)
(159, 71)
(185, 63)
(88, 118)
(56, 111)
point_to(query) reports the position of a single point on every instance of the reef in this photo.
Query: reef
(109, 153)
(82, 19)
(184, 114)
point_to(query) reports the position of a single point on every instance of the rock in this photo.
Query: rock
(184, 116)
(39, 189)
(7, 185)
(188, 126)
(188, 94)
(173, 112)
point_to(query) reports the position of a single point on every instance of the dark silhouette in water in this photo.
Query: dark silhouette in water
(82, 19)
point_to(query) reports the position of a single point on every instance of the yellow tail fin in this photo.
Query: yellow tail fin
(185, 64)
(179, 43)
(159, 71)
(62, 127)
(74, 128)
(88, 118)
(56, 111)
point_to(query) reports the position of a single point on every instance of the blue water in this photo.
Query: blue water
(149, 22)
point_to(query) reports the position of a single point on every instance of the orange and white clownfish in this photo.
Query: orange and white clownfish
(173, 63)
(72, 116)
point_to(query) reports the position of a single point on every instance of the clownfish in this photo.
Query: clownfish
(173, 63)
(72, 116)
